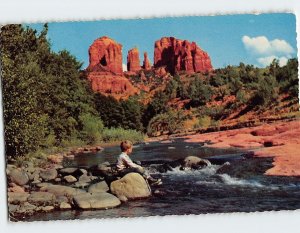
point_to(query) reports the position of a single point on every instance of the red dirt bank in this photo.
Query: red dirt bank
(279, 140)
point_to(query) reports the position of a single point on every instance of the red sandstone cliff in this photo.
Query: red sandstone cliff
(180, 55)
(133, 60)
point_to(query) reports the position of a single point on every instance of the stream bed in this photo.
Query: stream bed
(242, 187)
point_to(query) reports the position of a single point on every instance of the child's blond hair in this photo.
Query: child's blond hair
(125, 145)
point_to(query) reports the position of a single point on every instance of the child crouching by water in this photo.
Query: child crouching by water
(125, 165)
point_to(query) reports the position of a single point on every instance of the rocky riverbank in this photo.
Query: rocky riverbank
(279, 140)
(34, 189)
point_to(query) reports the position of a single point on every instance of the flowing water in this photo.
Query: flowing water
(243, 188)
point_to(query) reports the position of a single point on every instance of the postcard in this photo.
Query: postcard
(151, 117)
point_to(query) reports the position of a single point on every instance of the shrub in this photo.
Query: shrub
(119, 134)
(203, 122)
(169, 122)
(92, 128)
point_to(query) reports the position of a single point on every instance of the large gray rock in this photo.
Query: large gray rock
(131, 186)
(60, 190)
(17, 198)
(98, 187)
(195, 162)
(41, 198)
(18, 176)
(96, 201)
(48, 174)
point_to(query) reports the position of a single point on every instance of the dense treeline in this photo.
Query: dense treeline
(48, 102)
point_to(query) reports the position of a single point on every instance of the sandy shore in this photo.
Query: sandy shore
(279, 140)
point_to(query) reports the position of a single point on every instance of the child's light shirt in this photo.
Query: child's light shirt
(124, 162)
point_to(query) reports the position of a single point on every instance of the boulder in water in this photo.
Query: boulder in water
(195, 162)
(131, 186)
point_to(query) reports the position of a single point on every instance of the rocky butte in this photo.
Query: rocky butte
(133, 60)
(105, 55)
(180, 55)
(105, 69)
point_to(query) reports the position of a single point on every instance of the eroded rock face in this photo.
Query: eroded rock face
(105, 55)
(133, 60)
(180, 55)
(131, 186)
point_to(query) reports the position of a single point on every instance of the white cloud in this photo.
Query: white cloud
(265, 61)
(265, 51)
(261, 45)
(124, 67)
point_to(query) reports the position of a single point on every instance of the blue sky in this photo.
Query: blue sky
(229, 40)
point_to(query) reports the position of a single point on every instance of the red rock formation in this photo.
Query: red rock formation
(133, 60)
(146, 62)
(105, 55)
(105, 69)
(115, 85)
(178, 55)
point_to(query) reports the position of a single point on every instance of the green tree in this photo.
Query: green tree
(132, 114)
(25, 123)
(43, 92)
(199, 93)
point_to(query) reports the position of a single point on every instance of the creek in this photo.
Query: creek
(243, 188)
